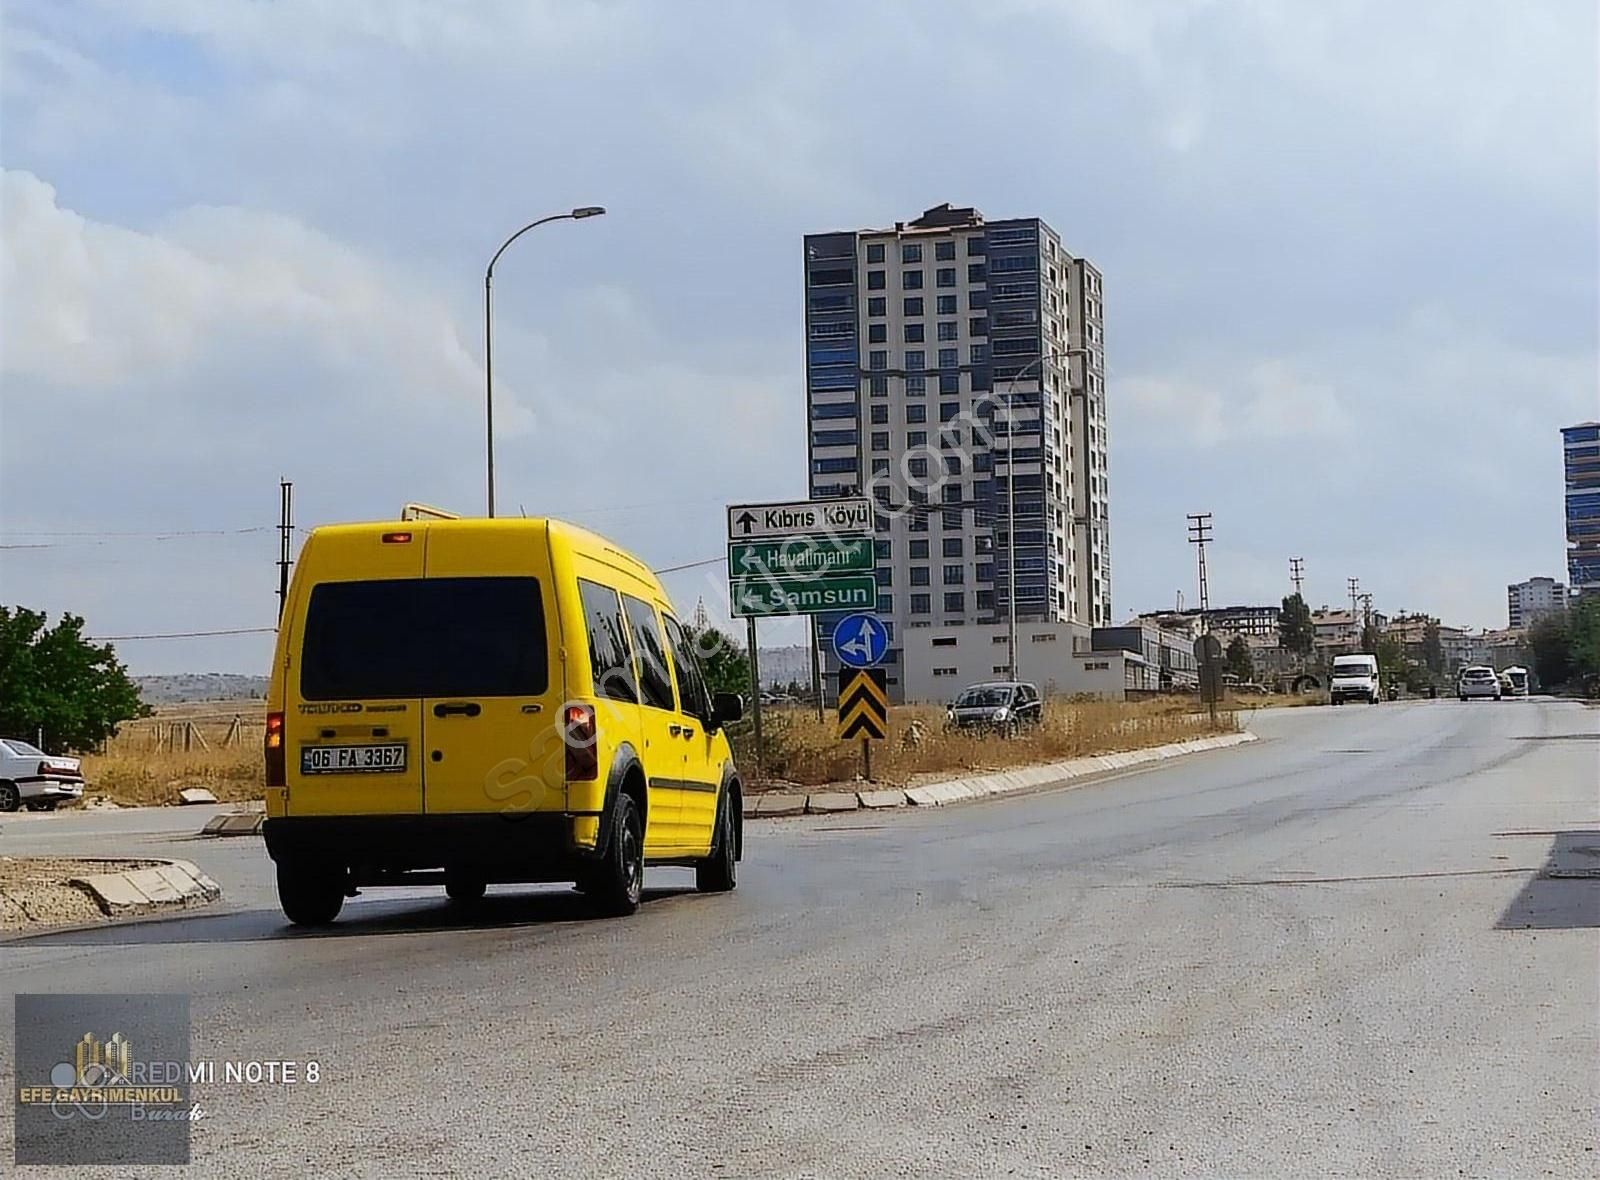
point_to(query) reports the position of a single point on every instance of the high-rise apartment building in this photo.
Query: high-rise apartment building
(1581, 463)
(1526, 601)
(940, 354)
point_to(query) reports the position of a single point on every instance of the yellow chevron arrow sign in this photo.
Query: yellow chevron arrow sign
(863, 703)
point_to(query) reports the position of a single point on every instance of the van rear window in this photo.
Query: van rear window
(424, 637)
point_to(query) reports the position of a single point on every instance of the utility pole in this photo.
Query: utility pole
(285, 539)
(1354, 586)
(1199, 534)
(1297, 566)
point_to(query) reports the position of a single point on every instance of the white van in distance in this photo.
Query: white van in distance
(1355, 678)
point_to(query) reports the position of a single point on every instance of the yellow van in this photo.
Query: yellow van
(482, 701)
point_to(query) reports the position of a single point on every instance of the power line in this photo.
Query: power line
(183, 634)
(689, 565)
(76, 539)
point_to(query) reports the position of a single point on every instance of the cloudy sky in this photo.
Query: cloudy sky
(1350, 257)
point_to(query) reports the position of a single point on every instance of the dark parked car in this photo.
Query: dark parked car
(1005, 706)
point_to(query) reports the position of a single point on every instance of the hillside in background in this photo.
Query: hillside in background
(200, 686)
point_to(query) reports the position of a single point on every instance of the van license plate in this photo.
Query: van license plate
(353, 759)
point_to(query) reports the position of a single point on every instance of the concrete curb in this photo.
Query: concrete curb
(167, 884)
(1000, 782)
(240, 823)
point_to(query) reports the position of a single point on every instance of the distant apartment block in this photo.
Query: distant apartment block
(1581, 466)
(946, 357)
(1526, 601)
(1250, 621)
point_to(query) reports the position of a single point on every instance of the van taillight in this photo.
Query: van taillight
(277, 775)
(578, 733)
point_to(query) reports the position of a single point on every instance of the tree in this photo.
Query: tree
(1369, 638)
(1583, 639)
(1550, 649)
(55, 682)
(1433, 648)
(1238, 659)
(724, 663)
(1296, 632)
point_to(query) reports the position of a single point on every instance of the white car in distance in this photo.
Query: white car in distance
(33, 779)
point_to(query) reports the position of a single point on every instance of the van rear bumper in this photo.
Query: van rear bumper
(532, 846)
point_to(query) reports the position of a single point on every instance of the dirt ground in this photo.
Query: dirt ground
(35, 892)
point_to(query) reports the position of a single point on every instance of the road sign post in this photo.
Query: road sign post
(755, 697)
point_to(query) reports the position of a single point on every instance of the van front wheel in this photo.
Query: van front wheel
(309, 897)
(617, 883)
(719, 872)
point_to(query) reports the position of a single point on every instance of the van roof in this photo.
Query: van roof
(561, 532)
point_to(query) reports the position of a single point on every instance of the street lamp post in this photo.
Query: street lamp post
(577, 214)
(1011, 494)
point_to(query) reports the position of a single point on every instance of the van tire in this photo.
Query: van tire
(719, 872)
(309, 897)
(463, 888)
(617, 882)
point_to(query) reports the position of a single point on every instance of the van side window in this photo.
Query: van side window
(691, 685)
(655, 681)
(608, 643)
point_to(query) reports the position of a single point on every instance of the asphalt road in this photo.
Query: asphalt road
(1334, 952)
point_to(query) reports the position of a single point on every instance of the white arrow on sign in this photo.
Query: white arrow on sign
(751, 602)
(861, 645)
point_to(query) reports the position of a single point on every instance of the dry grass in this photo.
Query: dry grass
(135, 770)
(801, 750)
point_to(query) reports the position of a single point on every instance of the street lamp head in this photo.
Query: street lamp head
(583, 211)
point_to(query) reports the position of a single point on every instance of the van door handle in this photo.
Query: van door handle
(458, 708)
(674, 730)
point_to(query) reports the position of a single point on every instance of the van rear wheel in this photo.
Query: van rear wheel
(464, 888)
(719, 872)
(617, 882)
(309, 897)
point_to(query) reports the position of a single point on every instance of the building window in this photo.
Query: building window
(949, 383)
(977, 300)
(834, 410)
(983, 461)
(884, 575)
(880, 467)
(917, 468)
(877, 333)
(886, 605)
(911, 280)
(949, 330)
(880, 550)
(880, 415)
(880, 440)
(975, 273)
(955, 603)
(979, 353)
(919, 549)
(949, 411)
(944, 251)
(913, 305)
(877, 305)
(975, 245)
(955, 575)
(944, 671)
(916, 438)
(1043, 637)
(875, 252)
(985, 573)
(911, 252)
(985, 599)
(877, 280)
(1001, 670)
(879, 386)
(878, 358)
(834, 438)
(947, 305)
(914, 414)
(952, 464)
(949, 358)
(921, 604)
(916, 386)
(952, 546)
(946, 276)
(919, 575)
(915, 359)
(913, 335)
(832, 466)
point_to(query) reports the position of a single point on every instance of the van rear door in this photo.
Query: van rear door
(352, 713)
(491, 705)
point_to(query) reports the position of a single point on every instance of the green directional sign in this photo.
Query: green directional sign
(786, 595)
(805, 556)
